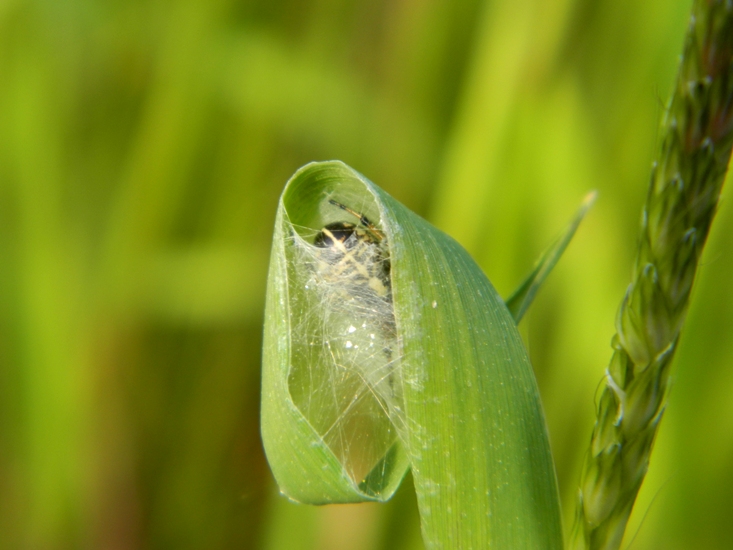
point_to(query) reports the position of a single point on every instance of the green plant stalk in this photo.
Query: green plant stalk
(681, 202)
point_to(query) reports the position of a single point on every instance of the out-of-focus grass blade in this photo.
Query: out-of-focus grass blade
(522, 298)
(461, 406)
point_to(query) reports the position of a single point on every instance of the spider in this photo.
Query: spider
(356, 254)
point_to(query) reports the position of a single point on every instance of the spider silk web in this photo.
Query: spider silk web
(344, 375)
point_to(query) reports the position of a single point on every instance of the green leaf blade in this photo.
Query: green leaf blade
(466, 414)
(520, 300)
(478, 444)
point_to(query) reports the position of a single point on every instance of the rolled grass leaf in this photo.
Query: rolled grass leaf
(447, 391)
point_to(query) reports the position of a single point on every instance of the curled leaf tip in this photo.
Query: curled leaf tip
(387, 348)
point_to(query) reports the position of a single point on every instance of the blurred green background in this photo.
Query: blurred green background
(143, 146)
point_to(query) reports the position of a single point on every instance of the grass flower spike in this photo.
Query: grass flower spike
(681, 203)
